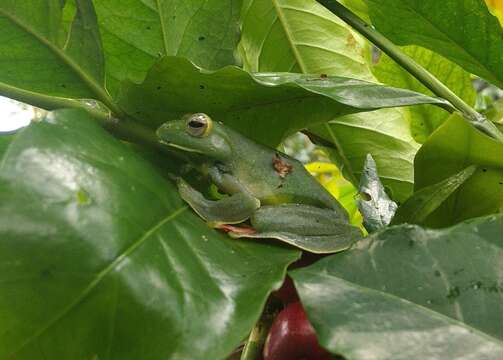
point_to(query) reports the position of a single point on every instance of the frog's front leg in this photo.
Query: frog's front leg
(229, 210)
(310, 228)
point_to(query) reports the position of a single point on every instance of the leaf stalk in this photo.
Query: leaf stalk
(124, 128)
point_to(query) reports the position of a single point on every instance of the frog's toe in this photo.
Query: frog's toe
(233, 229)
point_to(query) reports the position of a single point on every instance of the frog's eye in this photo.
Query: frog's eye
(198, 124)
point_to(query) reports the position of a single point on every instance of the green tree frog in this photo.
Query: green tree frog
(273, 191)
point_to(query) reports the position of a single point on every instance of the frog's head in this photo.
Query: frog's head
(197, 133)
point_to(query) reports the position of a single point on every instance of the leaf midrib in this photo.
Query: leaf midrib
(98, 278)
(286, 28)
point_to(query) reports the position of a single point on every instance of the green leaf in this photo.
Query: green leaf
(137, 33)
(453, 147)
(299, 36)
(5, 140)
(374, 204)
(463, 31)
(411, 293)
(264, 106)
(100, 258)
(422, 203)
(41, 52)
(386, 135)
(425, 119)
(295, 35)
(359, 7)
(495, 113)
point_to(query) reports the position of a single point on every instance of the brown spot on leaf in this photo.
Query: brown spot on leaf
(350, 41)
(282, 167)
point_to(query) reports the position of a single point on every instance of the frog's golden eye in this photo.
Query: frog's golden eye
(198, 125)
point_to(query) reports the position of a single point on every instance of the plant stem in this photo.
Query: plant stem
(124, 128)
(255, 342)
(420, 73)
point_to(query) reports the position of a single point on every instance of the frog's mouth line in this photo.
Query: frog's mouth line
(181, 147)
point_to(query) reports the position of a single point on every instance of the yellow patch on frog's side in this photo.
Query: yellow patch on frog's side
(277, 199)
(282, 167)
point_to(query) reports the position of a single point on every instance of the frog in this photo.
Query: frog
(267, 194)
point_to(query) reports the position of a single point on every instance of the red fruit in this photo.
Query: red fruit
(306, 260)
(287, 292)
(292, 337)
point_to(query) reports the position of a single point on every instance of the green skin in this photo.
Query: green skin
(274, 191)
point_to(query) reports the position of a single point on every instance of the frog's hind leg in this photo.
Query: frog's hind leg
(229, 210)
(307, 227)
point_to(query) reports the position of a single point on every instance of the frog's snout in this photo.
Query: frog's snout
(167, 132)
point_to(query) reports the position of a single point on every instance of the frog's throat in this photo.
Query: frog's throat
(183, 148)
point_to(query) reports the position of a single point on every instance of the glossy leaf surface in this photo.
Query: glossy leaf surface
(47, 48)
(136, 33)
(248, 103)
(453, 147)
(100, 258)
(463, 31)
(5, 140)
(408, 292)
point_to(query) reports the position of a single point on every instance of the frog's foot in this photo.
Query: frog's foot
(307, 227)
(237, 230)
(232, 209)
(316, 244)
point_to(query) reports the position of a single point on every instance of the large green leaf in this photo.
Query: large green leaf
(463, 31)
(137, 32)
(302, 35)
(422, 203)
(42, 52)
(100, 258)
(453, 147)
(299, 36)
(425, 119)
(264, 106)
(411, 293)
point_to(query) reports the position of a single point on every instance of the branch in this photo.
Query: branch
(420, 73)
(125, 129)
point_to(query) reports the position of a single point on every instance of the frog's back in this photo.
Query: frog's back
(274, 178)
